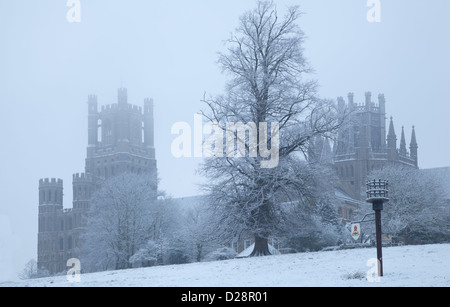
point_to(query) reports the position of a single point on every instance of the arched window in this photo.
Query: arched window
(61, 244)
(107, 133)
(62, 225)
(69, 242)
(99, 130)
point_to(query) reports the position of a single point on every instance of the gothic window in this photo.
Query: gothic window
(69, 243)
(62, 225)
(107, 132)
(61, 244)
(99, 130)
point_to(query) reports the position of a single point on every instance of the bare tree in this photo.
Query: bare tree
(267, 86)
(30, 270)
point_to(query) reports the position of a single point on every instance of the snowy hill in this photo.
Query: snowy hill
(427, 265)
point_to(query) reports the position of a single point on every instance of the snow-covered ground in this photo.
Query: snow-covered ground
(427, 265)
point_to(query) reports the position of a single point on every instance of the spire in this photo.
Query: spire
(413, 139)
(403, 151)
(392, 137)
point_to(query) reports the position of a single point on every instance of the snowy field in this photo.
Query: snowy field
(426, 266)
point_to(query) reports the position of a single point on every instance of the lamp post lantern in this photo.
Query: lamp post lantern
(377, 194)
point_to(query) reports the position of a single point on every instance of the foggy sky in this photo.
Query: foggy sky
(167, 50)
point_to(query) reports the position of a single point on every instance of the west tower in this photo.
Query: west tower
(120, 139)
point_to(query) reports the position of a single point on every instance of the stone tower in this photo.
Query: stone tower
(363, 146)
(51, 225)
(120, 139)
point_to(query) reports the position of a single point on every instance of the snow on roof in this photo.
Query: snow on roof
(247, 252)
(342, 195)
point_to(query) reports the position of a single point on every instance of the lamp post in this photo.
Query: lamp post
(377, 194)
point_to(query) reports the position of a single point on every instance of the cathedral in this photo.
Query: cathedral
(120, 139)
(365, 144)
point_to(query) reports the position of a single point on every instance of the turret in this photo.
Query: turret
(50, 206)
(82, 190)
(368, 100)
(122, 97)
(92, 121)
(351, 102)
(148, 123)
(51, 192)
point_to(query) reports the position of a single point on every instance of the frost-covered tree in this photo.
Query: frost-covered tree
(118, 222)
(314, 223)
(417, 210)
(164, 225)
(30, 270)
(268, 85)
(197, 231)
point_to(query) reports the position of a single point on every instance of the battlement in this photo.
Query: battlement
(81, 177)
(367, 105)
(92, 98)
(114, 107)
(53, 182)
(110, 107)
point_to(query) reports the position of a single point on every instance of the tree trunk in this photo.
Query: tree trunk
(261, 247)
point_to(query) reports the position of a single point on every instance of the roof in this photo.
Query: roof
(248, 251)
(342, 195)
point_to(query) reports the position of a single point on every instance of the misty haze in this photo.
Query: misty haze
(146, 134)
